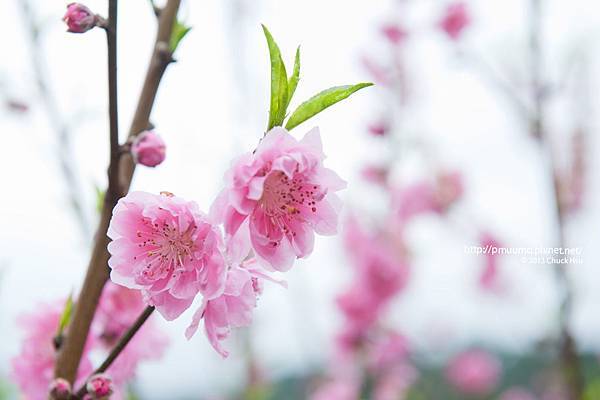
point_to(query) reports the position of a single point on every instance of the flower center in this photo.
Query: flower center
(286, 200)
(166, 247)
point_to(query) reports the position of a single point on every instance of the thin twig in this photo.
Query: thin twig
(121, 344)
(98, 271)
(113, 110)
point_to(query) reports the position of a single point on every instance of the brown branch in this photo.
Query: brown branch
(113, 110)
(98, 271)
(123, 341)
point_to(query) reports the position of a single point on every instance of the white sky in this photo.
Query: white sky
(212, 105)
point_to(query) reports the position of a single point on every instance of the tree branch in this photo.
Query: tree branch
(123, 341)
(98, 271)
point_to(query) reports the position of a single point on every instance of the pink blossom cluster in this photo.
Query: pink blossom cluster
(381, 271)
(274, 201)
(33, 367)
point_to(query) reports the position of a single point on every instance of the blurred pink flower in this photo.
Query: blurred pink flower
(375, 174)
(338, 389)
(148, 149)
(118, 309)
(33, 367)
(394, 383)
(380, 273)
(164, 246)
(388, 350)
(455, 19)
(474, 372)
(396, 34)
(424, 197)
(517, 393)
(79, 18)
(380, 74)
(233, 309)
(277, 197)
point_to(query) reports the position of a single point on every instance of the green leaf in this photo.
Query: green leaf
(293, 81)
(321, 101)
(100, 194)
(178, 33)
(279, 83)
(65, 318)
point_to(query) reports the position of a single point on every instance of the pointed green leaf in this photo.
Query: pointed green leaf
(321, 101)
(178, 33)
(293, 81)
(279, 83)
(65, 317)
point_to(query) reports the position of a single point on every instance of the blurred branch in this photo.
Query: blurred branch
(59, 125)
(568, 354)
(497, 81)
(98, 271)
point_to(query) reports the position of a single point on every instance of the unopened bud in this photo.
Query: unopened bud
(79, 18)
(99, 387)
(60, 389)
(148, 149)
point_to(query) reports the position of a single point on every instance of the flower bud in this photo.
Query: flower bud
(60, 389)
(79, 18)
(99, 386)
(148, 149)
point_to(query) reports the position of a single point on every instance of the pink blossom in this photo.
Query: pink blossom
(455, 19)
(148, 149)
(394, 33)
(233, 308)
(516, 393)
(474, 372)
(118, 309)
(79, 18)
(277, 197)
(33, 367)
(164, 246)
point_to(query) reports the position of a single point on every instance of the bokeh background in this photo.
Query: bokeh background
(456, 112)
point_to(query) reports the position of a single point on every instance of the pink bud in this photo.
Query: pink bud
(455, 19)
(79, 18)
(60, 389)
(148, 149)
(379, 128)
(99, 386)
(394, 33)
